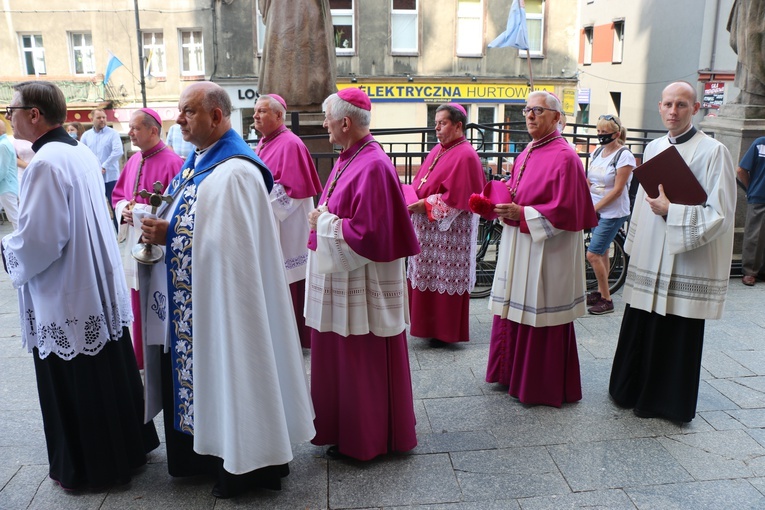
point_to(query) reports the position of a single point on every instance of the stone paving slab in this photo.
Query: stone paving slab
(732, 494)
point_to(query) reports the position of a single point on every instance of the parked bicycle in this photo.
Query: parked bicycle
(490, 234)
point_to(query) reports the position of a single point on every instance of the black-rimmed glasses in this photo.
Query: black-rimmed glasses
(538, 110)
(9, 109)
(612, 118)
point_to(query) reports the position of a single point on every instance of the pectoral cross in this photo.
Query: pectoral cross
(156, 198)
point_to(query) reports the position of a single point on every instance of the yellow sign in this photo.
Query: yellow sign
(447, 92)
(569, 100)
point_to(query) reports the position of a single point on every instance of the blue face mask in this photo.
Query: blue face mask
(73, 135)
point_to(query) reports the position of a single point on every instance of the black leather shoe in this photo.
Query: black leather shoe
(333, 452)
(644, 414)
(219, 492)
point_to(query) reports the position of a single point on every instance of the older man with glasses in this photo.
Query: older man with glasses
(539, 283)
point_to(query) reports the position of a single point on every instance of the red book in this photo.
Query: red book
(669, 169)
(410, 195)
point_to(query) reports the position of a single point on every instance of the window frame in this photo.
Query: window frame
(182, 47)
(82, 48)
(351, 49)
(617, 56)
(33, 50)
(460, 49)
(534, 53)
(589, 35)
(260, 31)
(149, 68)
(404, 13)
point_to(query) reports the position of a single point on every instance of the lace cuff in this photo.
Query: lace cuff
(440, 212)
(333, 255)
(282, 204)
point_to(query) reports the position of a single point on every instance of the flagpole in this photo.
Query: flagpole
(139, 37)
(531, 75)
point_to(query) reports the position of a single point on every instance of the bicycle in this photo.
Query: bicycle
(489, 235)
(618, 263)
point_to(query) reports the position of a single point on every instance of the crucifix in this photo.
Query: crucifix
(146, 253)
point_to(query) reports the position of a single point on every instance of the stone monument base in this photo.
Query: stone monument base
(736, 126)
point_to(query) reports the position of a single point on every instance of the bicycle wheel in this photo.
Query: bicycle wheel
(617, 264)
(489, 234)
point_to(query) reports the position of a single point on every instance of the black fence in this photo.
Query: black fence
(497, 145)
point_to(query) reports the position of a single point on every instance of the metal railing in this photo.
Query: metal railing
(497, 145)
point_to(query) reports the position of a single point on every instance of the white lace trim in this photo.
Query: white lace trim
(447, 260)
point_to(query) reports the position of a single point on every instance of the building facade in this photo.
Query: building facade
(409, 55)
(629, 51)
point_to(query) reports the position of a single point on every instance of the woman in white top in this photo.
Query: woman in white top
(609, 178)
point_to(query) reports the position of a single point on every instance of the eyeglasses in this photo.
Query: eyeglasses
(9, 110)
(538, 110)
(612, 118)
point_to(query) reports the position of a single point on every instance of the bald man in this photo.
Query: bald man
(679, 269)
(234, 389)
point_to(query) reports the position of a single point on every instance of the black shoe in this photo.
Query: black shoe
(220, 493)
(436, 343)
(644, 414)
(333, 452)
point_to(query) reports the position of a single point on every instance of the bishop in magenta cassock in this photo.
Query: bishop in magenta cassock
(295, 184)
(539, 284)
(356, 300)
(155, 163)
(442, 275)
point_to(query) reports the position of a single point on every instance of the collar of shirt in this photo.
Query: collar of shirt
(683, 137)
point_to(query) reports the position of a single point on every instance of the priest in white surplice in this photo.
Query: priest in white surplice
(678, 272)
(234, 389)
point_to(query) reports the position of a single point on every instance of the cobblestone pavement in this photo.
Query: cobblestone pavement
(478, 447)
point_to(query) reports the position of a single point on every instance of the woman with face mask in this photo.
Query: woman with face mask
(75, 130)
(609, 177)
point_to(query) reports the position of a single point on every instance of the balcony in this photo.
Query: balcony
(87, 91)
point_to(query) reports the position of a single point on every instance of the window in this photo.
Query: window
(33, 53)
(261, 32)
(83, 56)
(535, 23)
(486, 115)
(469, 28)
(343, 24)
(403, 26)
(192, 53)
(588, 31)
(618, 42)
(154, 54)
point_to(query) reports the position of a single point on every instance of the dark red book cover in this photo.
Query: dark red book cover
(670, 170)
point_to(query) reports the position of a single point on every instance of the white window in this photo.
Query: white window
(470, 28)
(83, 56)
(618, 42)
(33, 54)
(588, 33)
(154, 54)
(535, 23)
(343, 23)
(192, 53)
(403, 26)
(261, 32)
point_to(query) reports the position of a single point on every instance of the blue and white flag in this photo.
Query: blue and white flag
(113, 64)
(516, 34)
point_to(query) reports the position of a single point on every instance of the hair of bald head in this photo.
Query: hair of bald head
(688, 85)
(215, 97)
(274, 105)
(46, 97)
(339, 108)
(550, 100)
